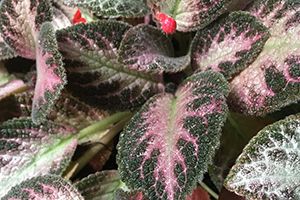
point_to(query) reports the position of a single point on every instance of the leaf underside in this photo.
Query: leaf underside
(113, 8)
(272, 81)
(229, 45)
(168, 144)
(95, 74)
(100, 186)
(269, 166)
(44, 187)
(51, 76)
(20, 21)
(28, 150)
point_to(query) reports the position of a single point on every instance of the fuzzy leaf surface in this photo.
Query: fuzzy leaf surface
(100, 186)
(129, 195)
(191, 15)
(230, 45)
(20, 21)
(113, 8)
(5, 51)
(28, 150)
(44, 187)
(166, 147)
(68, 110)
(95, 74)
(51, 76)
(272, 81)
(146, 48)
(269, 166)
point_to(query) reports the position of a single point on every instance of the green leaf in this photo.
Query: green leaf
(100, 186)
(191, 15)
(19, 23)
(113, 8)
(272, 81)
(166, 147)
(51, 76)
(269, 166)
(230, 45)
(96, 75)
(28, 150)
(146, 48)
(44, 187)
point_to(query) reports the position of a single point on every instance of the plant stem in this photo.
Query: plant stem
(105, 130)
(101, 125)
(210, 191)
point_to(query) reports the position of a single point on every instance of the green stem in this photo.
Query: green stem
(210, 191)
(108, 136)
(101, 125)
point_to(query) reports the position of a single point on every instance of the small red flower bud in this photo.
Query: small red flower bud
(78, 18)
(168, 24)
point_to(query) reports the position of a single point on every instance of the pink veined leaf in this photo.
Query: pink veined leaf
(48, 187)
(191, 15)
(24, 29)
(272, 81)
(166, 148)
(95, 73)
(230, 45)
(145, 48)
(51, 76)
(113, 8)
(28, 150)
(20, 21)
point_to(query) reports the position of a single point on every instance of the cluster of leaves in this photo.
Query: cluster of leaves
(185, 105)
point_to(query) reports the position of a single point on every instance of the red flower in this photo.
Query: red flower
(168, 24)
(78, 18)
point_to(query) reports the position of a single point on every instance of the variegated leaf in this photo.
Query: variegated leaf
(28, 150)
(272, 81)
(269, 166)
(67, 110)
(44, 187)
(100, 186)
(51, 76)
(167, 146)
(113, 8)
(96, 75)
(9, 84)
(146, 48)
(20, 21)
(191, 15)
(230, 45)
